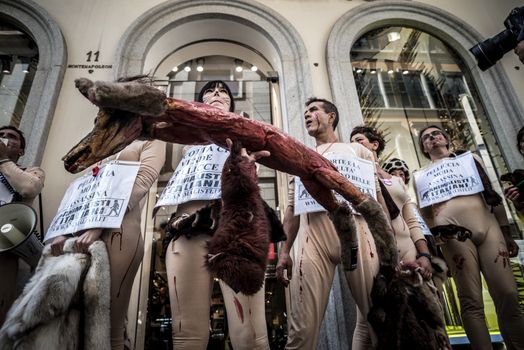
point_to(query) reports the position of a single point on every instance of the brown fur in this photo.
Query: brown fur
(238, 250)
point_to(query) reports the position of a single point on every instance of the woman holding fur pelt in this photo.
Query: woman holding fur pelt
(189, 249)
(125, 246)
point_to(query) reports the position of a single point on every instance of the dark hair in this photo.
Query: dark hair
(213, 84)
(372, 134)
(328, 106)
(520, 135)
(420, 143)
(19, 132)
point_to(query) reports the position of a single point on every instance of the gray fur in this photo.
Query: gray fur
(46, 316)
(141, 99)
(347, 233)
(381, 230)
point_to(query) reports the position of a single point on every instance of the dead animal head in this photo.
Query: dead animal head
(118, 123)
(112, 132)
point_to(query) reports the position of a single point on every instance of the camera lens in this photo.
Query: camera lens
(491, 50)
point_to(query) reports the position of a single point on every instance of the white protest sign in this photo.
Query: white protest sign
(358, 171)
(95, 201)
(448, 178)
(6, 193)
(197, 176)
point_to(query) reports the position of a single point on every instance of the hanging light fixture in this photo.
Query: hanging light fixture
(254, 68)
(187, 67)
(175, 69)
(7, 64)
(238, 65)
(26, 63)
(200, 65)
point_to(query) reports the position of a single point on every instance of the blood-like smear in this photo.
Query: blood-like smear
(240, 310)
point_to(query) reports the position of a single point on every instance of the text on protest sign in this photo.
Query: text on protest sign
(448, 178)
(360, 172)
(197, 176)
(95, 201)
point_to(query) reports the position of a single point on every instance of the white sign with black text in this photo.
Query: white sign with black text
(358, 171)
(95, 201)
(197, 176)
(448, 178)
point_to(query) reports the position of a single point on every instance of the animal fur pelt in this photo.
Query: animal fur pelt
(65, 305)
(205, 221)
(450, 231)
(238, 249)
(406, 313)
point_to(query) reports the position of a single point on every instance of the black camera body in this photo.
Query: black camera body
(491, 50)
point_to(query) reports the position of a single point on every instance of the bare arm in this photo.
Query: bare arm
(28, 183)
(291, 226)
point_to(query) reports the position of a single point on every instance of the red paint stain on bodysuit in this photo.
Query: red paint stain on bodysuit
(176, 293)
(459, 261)
(240, 310)
(505, 257)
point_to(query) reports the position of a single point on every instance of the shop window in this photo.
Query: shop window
(252, 97)
(18, 60)
(407, 79)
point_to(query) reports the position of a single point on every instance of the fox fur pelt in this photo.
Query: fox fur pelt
(405, 313)
(238, 249)
(65, 305)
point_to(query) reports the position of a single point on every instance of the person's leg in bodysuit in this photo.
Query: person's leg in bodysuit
(360, 283)
(125, 250)
(495, 266)
(309, 288)
(190, 287)
(246, 319)
(463, 261)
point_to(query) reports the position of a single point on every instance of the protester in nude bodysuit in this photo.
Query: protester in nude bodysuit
(319, 249)
(485, 252)
(125, 246)
(190, 282)
(410, 239)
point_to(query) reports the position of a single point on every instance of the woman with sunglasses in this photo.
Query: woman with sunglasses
(485, 252)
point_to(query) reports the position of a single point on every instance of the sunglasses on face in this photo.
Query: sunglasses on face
(434, 133)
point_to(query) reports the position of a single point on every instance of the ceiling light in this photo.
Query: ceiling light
(405, 72)
(175, 69)
(200, 65)
(238, 65)
(254, 68)
(359, 70)
(393, 36)
(187, 67)
(373, 71)
(390, 71)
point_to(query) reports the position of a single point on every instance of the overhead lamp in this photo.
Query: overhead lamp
(391, 71)
(200, 65)
(373, 71)
(393, 36)
(7, 64)
(405, 72)
(238, 65)
(175, 69)
(26, 63)
(359, 70)
(187, 67)
(254, 68)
